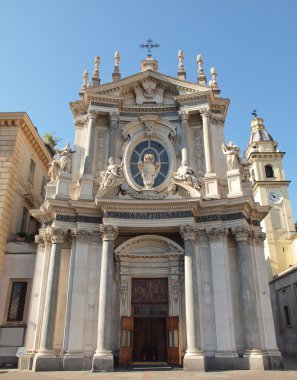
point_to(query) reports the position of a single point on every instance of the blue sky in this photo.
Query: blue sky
(46, 46)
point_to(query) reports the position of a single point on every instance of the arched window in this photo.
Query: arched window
(269, 171)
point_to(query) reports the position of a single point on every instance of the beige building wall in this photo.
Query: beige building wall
(19, 144)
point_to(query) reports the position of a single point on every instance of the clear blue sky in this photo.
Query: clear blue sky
(46, 45)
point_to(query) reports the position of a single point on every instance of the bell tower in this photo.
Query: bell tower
(270, 187)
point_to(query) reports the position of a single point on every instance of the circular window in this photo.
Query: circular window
(160, 155)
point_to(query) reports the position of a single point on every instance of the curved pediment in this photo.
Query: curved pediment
(149, 246)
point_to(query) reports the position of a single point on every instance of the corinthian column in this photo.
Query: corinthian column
(92, 115)
(184, 118)
(248, 291)
(205, 113)
(103, 358)
(194, 359)
(46, 358)
(113, 126)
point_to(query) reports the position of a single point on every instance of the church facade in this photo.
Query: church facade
(151, 248)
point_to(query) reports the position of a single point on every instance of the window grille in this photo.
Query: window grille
(43, 183)
(17, 301)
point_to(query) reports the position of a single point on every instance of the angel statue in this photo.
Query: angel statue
(186, 174)
(232, 152)
(149, 169)
(110, 175)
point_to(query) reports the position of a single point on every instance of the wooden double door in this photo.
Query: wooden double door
(150, 339)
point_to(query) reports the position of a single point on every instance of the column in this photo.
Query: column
(205, 113)
(222, 293)
(184, 118)
(46, 358)
(77, 293)
(92, 115)
(194, 358)
(103, 358)
(113, 126)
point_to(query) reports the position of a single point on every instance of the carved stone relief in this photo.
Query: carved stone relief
(99, 162)
(198, 149)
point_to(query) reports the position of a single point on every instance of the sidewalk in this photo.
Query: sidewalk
(290, 373)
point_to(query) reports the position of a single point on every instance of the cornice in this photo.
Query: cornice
(268, 183)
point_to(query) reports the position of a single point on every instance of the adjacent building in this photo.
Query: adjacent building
(24, 161)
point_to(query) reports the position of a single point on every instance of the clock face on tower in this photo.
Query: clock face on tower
(275, 196)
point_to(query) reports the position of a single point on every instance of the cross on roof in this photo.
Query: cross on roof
(149, 45)
(254, 113)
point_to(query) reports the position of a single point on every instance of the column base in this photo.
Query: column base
(211, 186)
(73, 362)
(194, 362)
(222, 361)
(46, 362)
(103, 362)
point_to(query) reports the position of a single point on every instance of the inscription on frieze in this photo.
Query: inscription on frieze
(148, 215)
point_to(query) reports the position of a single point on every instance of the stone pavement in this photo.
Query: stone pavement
(290, 373)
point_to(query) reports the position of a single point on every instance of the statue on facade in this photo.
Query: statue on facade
(53, 170)
(65, 158)
(149, 170)
(232, 151)
(186, 174)
(110, 175)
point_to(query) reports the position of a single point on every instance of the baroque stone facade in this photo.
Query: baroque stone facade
(151, 247)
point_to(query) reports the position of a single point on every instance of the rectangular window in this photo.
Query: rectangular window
(17, 301)
(31, 171)
(43, 183)
(287, 315)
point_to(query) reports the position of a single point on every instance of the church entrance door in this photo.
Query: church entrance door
(149, 340)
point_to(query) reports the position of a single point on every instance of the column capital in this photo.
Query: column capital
(188, 232)
(114, 117)
(184, 115)
(242, 233)
(81, 236)
(205, 112)
(92, 114)
(216, 233)
(259, 237)
(49, 235)
(216, 118)
(81, 120)
(108, 232)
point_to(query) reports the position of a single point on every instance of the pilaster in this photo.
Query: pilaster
(224, 319)
(75, 317)
(113, 126)
(210, 178)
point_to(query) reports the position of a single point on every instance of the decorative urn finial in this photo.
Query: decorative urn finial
(201, 74)
(85, 80)
(116, 75)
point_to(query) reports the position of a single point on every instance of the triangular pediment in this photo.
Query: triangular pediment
(145, 88)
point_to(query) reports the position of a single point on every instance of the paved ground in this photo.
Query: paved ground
(290, 373)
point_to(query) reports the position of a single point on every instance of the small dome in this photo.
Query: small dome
(260, 135)
(259, 132)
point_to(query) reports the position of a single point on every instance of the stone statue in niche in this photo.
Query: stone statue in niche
(186, 174)
(232, 151)
(149, 170)
(148, 92)
(110, 175)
